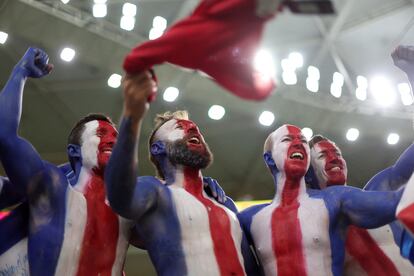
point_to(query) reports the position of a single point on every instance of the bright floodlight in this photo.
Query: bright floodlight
(382, 91)
(362, 82)
(405, 93)
(289, 77)
(263, 62)
(393, 138)
(65, 1)
(159, 22)
(114, 80)
(338, 79)
(361, 93)
(171, 94)
(129, 9)
(287, 65)
(99, 10)
(313, 73)
(127, 23)
(216, 112)
(266, 118)
(312, 85)
(352, 134)
(296, 59)
(336, 90)
(3, 37)
(155, 33)
(307, 132)
(67, 54)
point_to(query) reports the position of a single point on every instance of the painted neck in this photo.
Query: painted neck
(89, 179)
(288, 189)
(188, 178)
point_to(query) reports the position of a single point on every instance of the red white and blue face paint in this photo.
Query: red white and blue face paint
(174, 130)
(328, 163)
(290, 150)
(98, 139)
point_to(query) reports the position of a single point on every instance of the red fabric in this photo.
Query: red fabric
(219, 38)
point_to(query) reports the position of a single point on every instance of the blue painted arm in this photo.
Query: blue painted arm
(368, 209)
(395, 176)
(129, 197)
(9, 195)
(20, 160)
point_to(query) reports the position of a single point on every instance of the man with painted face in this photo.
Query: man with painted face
(301, 232)
(72, 230)
(184, 230)
(369, 252)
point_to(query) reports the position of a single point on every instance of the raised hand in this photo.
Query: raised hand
(34, 63)
(137, 90)
(403, 57)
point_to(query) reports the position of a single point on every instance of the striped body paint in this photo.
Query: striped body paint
(405, 210)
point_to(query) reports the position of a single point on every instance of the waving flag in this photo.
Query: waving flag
(219, 38)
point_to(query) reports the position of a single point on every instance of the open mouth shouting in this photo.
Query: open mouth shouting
(296, 155)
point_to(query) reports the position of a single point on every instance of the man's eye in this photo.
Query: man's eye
(179, 127)
(286, 139)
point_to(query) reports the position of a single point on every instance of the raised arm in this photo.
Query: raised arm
(392, 178)
(129, 197)
(367, 209)
(20, 160)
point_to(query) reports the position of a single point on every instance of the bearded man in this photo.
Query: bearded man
(184, 230)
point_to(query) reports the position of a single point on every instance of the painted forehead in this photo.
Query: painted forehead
(286, 130)
(169, 131)
(326, 145)
(91, 128)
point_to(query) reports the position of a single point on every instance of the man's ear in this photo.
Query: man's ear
(74, 151)
(269, 159)
(157, 148)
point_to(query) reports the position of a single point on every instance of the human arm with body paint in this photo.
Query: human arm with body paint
(20, 160)
(366, 209)
(121, 182)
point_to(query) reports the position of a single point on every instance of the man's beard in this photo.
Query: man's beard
(179, 154)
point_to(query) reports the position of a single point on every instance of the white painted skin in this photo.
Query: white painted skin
(315, 232)
(90, 142)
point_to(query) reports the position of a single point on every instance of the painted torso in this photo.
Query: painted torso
(374, 252)
(191, 234)
(69, 238)
(313, 218)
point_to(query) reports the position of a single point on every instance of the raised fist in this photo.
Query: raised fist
(403, 57)
(34, 63)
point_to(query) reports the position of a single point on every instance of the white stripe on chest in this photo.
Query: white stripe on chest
(75, 224)
(314, 221)
(196, 237)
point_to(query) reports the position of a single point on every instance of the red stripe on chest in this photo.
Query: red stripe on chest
(220, 229)
(287, 234)
(368, 254)
(101, 234)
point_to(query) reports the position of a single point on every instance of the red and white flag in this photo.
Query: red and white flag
(219, 38)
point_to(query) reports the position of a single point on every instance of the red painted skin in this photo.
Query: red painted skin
(363, 248)
(407, 217)
(359, 243)
(286, 231)
(102, 225)
(220, 227)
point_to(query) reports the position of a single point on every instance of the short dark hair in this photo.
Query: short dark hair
(159, 120)
(76, 132)
(316, 139)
